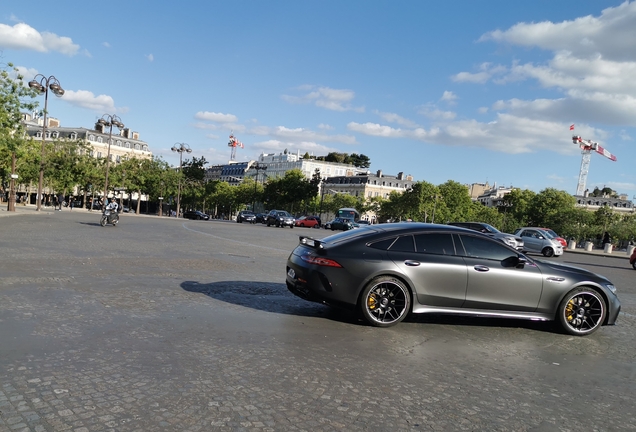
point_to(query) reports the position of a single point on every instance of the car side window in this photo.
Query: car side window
(382, 244)
(477, 247)
(435, 243)
(403, 244)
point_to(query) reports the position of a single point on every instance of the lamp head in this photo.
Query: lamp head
(36, 85)
(56, 89)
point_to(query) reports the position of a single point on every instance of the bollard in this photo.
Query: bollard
(572, 244)
(588, 246)
(630, 250)
(607, 248)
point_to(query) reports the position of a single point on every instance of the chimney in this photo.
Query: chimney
(126, 133)
(400, 176)
(99, 127)
(379, 173)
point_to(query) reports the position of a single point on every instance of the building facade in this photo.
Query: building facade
(125, 144)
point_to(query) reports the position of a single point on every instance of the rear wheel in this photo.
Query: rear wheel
(102, 222)
(634, 265)
(385, 301)
(547, 251)
(582, 312)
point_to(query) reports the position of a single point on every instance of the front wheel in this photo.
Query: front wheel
(385, 301)
(102, 222)
(582, 312)
(547, 252)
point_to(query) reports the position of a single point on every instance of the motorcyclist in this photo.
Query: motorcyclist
(112, 205)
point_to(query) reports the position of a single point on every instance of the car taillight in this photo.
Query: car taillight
(310, 258)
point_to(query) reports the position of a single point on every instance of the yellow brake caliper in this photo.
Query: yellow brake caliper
(372, 301)
(569, 310)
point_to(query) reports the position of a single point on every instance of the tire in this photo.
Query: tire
(277, 225)
(634, 265)
(385, 301)
(547, 252)
(582, 312)
(102, 222)
(291, 226)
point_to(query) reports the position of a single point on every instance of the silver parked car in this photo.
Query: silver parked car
(539, 241)
(388, 271)
(514, 241)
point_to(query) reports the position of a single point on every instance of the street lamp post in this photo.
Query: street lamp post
(322, 195)
(258, 168)
(180, 148)
(506, 205)
(43, 84)
(109, 120)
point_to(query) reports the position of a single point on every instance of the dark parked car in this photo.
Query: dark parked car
(261, 217)
(280, 218)
(387, 271)
(195, 214)
(511, 240)
(341, 224)
(246, 216)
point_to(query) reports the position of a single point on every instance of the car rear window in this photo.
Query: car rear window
(435, 243)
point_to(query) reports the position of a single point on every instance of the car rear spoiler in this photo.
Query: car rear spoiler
(311, 242)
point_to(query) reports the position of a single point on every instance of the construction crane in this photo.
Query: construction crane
(586, 150)
(234, 143)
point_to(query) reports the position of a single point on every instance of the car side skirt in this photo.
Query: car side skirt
(484, 313)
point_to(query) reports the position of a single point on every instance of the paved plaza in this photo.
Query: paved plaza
(161, 324)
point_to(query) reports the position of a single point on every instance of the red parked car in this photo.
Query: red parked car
(308, 221)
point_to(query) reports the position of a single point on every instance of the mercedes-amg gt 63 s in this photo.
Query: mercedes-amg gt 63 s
(387, 271)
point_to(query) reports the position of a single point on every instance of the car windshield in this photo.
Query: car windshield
(548, 234)
(283, 214)
(491, 228)
(552, 233)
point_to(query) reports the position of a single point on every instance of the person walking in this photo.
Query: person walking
(60, 201)
(70, 203)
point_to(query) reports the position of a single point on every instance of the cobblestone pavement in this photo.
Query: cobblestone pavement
(172, 325)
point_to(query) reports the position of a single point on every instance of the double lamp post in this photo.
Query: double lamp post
(42, 84)
(109, 120)
(180, 148)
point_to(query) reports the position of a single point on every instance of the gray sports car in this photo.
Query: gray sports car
(387, 271)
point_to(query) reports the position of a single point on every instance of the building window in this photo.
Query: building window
(118, 143)
(91, 137)
(100, 139)
(74, 135)
(99, 155)
(118, 159)
(127, 145)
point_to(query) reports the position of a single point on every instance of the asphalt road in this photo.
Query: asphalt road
(165, 324)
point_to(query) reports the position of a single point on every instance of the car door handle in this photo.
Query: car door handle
(481, 268)
(411, 263)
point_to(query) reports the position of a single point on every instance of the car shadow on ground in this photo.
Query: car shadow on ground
(488, 322)
(276, 298)
(268, 297)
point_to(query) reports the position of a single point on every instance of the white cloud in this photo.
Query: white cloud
(449, 97)
(106, 44)
(297, 135)
(86, 99)
(324, 126)
(216, 117)
(436, 114)
(324, 97)
(395, 118)
(612, 33)
(24, 37)
(150, 57)
(508, 134)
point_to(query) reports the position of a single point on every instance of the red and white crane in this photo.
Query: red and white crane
(586, 150)
(234, 143)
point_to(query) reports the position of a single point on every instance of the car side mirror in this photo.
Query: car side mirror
(517, 261)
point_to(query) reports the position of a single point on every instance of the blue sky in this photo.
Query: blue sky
(459, 90)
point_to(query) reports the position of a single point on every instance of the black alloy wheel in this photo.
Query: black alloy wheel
(547, 252)
(385, 301)
(582, 312)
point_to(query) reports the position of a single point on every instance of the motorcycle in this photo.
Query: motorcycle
(632, 259)
(109, 217)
